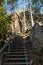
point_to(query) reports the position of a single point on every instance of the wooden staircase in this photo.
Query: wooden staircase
(17, 55)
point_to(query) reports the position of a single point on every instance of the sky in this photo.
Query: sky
(9, 6)
(20, 6)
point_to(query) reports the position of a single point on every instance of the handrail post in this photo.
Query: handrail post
(42, 60)
(0, 58)
(9, 48)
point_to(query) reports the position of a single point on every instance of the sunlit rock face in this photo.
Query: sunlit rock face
(27, 20)
(17, 27)
(14, 18)
(36, 37)
(18, 21)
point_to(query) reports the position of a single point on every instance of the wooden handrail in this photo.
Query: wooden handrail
(7, 43)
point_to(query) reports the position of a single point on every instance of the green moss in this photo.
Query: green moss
(35, 51)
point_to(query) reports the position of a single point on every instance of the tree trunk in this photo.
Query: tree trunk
(32, 22)
(12, 28)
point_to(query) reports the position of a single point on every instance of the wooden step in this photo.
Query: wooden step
(18, 63)
(8, 61)
(17, 55)
(14, 52)
(14, 56)
(18, 49)
(16, 59)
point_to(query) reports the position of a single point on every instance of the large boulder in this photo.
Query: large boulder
(36, 37)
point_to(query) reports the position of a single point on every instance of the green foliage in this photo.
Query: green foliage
(3, 23)
(12, 1)
(41, 2)
(3, 20)
(2, 1)
(36, 6)
(34, 1)
(36, 9)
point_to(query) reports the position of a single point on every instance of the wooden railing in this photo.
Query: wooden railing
(5, 45)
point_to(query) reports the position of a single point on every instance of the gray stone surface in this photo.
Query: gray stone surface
(36, 37)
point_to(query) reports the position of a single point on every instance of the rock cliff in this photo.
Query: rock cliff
(18, 20)
(36, 37)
